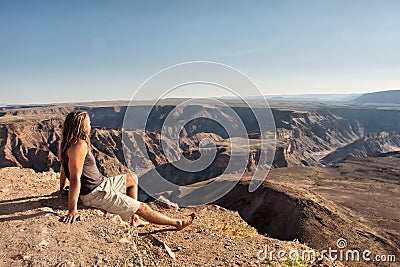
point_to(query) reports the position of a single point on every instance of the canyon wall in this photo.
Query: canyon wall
(29, 136)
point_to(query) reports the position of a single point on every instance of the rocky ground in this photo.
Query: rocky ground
(32, 234)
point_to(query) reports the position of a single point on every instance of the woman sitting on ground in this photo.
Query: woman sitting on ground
(116, 194)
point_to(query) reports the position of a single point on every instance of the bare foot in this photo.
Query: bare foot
(185, 222)
(137, 222)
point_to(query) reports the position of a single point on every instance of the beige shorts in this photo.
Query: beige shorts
(111, 196)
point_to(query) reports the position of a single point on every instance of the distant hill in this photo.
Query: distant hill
(314, 97)
(389, 97)
(371, 145)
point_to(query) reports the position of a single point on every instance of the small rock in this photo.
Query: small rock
(99, 212)
(169, 251)
(44, 243)
(46, 209)
(166, 203)
(124, 241)
(66, 263)
(118, 220)
(26, 257)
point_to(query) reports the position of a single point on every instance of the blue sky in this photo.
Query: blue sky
(66, 51)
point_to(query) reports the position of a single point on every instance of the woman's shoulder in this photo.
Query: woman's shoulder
(79, 147)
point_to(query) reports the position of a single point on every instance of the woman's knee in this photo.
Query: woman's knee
(143, 209)
(130, 181)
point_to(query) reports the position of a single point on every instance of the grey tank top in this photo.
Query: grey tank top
(91, 176)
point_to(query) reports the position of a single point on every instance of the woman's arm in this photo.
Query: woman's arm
(76, 155)
(62, 179)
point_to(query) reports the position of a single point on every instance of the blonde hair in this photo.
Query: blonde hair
(73, 131)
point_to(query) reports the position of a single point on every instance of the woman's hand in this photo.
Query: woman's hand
(72, 217)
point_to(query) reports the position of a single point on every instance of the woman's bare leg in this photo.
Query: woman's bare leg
(156, 217)
(148, 213)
